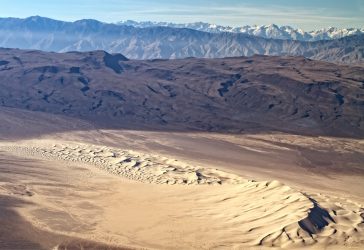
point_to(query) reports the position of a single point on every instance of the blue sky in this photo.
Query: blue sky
(306, 14)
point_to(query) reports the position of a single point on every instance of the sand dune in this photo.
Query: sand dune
(132, 165)
(117, 189)
(205, 208)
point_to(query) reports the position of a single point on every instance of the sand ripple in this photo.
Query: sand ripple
(267, 213)
(132, 165)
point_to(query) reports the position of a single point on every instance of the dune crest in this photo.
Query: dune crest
(130, 164)
(257, 214)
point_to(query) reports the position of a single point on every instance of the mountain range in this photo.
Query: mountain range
(266, 31)
(165, 42)
(258, 93)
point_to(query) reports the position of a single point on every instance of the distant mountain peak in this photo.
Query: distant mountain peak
(266, 31)
(165, 40)
(38, 19)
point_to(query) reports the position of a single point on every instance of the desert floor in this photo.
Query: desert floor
(66, 185)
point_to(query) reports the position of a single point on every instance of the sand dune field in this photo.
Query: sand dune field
(105, 189)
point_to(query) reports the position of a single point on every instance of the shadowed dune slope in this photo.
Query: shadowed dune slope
(108, 189)
(204, 208)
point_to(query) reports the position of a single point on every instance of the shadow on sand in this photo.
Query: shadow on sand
(17, 233)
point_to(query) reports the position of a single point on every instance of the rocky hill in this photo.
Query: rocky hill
(259, 93)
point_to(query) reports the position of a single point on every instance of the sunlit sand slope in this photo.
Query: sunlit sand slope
(194, 207)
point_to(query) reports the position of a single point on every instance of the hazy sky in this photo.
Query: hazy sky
(306, 14)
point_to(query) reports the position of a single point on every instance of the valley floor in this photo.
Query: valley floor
(118, 189)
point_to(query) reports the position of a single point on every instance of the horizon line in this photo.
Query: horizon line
(177, 23)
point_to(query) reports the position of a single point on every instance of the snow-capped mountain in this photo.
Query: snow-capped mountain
(167, 42)
(267, 31)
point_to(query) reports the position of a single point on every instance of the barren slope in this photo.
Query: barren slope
(229, 95)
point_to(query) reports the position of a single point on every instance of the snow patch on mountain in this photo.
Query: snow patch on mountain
(267, 31)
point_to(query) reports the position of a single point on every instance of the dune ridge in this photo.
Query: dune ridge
(257, 213)
(130, 164)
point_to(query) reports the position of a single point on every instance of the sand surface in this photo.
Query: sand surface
(136, 189)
